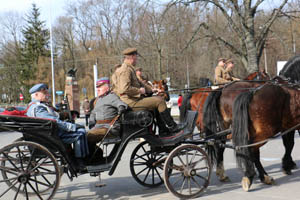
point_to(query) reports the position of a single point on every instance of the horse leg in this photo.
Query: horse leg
(287, 161)
(220, 172)
(263, 176)
(248, 176)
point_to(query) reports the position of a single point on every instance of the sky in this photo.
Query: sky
(49, 9)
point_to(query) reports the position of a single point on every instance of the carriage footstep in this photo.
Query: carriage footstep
(100, 185)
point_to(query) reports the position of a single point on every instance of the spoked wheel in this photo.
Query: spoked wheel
(191, 170)
(29, 170)
(146, 165)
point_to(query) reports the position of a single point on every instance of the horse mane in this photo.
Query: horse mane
(291, 69)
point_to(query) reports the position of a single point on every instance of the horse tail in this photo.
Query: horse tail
(212, 119)
(185, 106)
(240, 133)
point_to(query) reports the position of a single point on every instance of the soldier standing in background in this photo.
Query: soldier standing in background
(86, 109)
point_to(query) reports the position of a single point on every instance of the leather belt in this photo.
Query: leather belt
(105, 121)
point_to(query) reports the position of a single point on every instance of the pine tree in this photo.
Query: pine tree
(35, 46)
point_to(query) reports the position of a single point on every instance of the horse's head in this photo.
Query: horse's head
(159, 85)
(259, 75)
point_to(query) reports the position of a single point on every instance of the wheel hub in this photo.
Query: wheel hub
(150, 163)
(189, 172)
(23, 177)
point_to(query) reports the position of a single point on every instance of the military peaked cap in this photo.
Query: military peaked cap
(102, 81)
(229, 61)
(222, 59)
(130, 51)
(138, 69)
(38, 87)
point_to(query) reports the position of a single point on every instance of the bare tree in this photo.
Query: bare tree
(241, 16)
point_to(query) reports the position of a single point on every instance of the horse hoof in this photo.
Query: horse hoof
(246, 184)
(269, 180)
(224, 179)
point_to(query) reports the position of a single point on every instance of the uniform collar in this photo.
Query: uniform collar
(105, 94)
(129, 65)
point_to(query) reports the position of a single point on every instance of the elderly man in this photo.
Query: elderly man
(133, 92)
(68, 132)
(108, 105)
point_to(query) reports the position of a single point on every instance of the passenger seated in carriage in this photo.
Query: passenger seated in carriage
(68, 132)
(130, 90)
(106, 107)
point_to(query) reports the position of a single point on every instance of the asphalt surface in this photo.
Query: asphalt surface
(122, 186)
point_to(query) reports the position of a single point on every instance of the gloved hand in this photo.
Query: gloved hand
(121, 110)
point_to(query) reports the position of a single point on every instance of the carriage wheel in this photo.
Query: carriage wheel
(146, 165)
(29, 170)
(191, 170)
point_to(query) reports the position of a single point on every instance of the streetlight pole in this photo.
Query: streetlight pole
(187, 74)
(52, 62)
(265, 55)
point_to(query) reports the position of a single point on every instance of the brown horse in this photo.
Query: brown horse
(195, 100)
(218, 113)
(161, 85)
(258, 115)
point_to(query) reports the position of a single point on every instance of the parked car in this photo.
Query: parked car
(20, 108)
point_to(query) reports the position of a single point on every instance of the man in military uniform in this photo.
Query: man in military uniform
(223, 71)
(132, 91)
(108, 106)
(220, 71)
(68, 132)
(229, 68)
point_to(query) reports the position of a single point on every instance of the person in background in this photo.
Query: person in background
(220, 72)
(179, 101)
(86, 109)
(68, 132)
(141, 77)
(229, 68)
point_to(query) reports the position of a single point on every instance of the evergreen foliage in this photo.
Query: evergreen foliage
(35, 45)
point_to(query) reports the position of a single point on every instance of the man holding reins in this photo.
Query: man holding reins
(133, 92)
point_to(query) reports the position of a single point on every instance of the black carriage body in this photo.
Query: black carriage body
(41, 131)
(44, 132)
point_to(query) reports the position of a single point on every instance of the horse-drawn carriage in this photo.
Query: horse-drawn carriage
(32, 166)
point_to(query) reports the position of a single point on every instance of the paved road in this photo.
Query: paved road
(122, 186)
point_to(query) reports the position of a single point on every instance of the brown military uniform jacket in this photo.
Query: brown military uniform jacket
(126, 84)
(223, 76)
